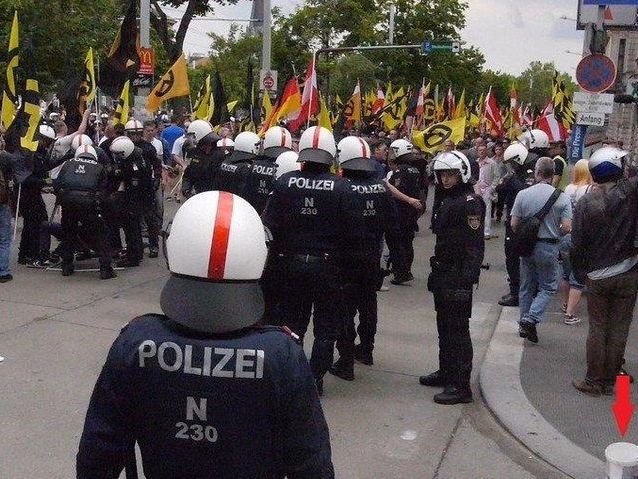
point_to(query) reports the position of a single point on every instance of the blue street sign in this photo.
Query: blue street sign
(426, 47)
(576, 143)
(610, 2)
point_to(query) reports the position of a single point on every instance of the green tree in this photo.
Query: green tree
(535, 84)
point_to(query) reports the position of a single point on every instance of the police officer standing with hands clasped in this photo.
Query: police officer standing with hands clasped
(456, 266)
(306, 218)
(203, 389)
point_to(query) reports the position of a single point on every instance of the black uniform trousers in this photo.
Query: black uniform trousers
(401, 249)
(512, 260)
(455, 344)
(84, 219)
(153, 215)
(362, 275)
(34, 212)
(130, 207)
(312, 281)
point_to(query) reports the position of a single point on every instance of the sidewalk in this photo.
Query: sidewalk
(528, 387)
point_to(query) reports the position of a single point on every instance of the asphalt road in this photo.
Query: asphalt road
(55, 333)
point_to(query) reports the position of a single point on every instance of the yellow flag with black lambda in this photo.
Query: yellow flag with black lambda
(231, 105)
(324, 116)
(394, 113)
(9, 95)
(174, 83)
(562, 102)
(86, 94)
(266, 106)
(460, 107)
(31, 112)
(352, 110)
(121, 112)
(203, 109)
(431, 139)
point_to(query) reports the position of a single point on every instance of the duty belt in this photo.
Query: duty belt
(548, 240)
(307, 258)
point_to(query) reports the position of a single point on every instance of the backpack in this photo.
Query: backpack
(526, 234)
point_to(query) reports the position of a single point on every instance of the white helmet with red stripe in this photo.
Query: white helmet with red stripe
(317, 145)
(226, 143)
(216, 253)
(354, 154)
(86, 151)
(287, 162)
(277, 140)
(246, 146)
(122, 147)
(79, 140)
(134, 126)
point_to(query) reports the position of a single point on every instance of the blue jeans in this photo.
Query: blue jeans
(539, 281)
(5, 239)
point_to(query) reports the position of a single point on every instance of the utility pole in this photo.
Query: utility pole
(266, 37)
(141, 97)
(393, 10)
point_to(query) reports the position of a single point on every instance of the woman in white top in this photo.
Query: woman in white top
(571, 289)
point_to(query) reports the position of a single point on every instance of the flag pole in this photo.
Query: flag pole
(314, 59)
(15, 226)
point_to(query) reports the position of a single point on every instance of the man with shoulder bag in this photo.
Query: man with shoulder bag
(540, 216)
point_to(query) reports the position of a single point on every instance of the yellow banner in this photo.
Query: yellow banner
(121, 112)
(174, 83)
(9, 97)
(431, 139)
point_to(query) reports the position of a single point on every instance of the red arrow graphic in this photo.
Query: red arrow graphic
(623, 409)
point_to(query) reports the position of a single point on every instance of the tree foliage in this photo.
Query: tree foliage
(535, 84)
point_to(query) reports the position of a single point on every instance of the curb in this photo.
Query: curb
(503, 393)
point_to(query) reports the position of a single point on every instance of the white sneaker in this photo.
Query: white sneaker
(571, 319)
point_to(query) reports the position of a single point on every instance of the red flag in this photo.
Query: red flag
(493, 113)
(420, 102)
(309, 99)
(451, 103)
(380, 101)
(550, 125)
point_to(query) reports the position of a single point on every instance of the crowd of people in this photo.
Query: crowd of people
(277, 230)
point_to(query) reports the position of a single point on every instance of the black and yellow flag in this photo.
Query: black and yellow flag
(30, 116)
(86, 93)
(203, 108)
(121, 112)
(9, 95)
(563, 102)
(174, 83)
(123, 58)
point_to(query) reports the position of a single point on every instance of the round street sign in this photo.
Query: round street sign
(596, 73)
(269, 82)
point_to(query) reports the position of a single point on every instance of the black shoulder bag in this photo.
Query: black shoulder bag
(526, 234)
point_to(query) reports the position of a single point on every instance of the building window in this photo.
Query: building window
(622, 46)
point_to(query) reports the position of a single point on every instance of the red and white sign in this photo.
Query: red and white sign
(147, 61)
(268, 80)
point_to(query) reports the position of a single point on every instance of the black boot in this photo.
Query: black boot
(453, 395)
(363, 355)
(67, 269)
(509, 300)
(107, 273)
(528, 330)
(343, 368)
(319, 384)
(434, 380)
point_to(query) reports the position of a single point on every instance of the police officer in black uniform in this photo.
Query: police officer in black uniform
(306, 218)
(232, 175)
(203, 389)
(456, 266)
(81, 187)
(516, 158)
(263, 174)
(134, 175)
(405, 178)
(370, 213)
(204, 155)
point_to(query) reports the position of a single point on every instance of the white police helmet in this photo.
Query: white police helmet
(122, 147)
(287, 162)
(86, 151)
(354, 154)
(216, 253)
(277, 141)
(606, 163)
(79, 140)
(317, 145)
(453, 160)
(401, 148)
(516, 152)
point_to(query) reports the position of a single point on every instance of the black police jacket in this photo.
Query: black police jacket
(260, 182)
(370, 212)
(234, 406)
(406, 178)
(460, 243)
(232, 177)
(202, 169)
(150, 157)
(306, 213)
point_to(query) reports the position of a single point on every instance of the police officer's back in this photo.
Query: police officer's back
(370, 213)
(232, 175)
(203, 389)
(263, 173)
(204, 157)
(305, 215)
